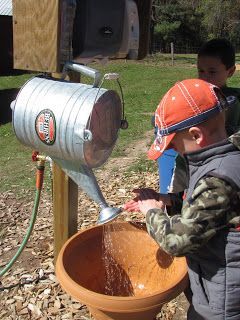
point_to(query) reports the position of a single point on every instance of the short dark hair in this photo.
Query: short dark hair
(220, 48)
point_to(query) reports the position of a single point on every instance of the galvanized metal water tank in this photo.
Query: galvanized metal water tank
(70, 121)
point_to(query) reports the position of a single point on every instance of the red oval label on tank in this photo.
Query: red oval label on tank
(45, 126)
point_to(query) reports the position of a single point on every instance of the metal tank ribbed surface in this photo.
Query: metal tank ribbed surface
(70, 121)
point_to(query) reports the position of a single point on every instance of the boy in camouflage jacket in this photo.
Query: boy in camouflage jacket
(206, 229)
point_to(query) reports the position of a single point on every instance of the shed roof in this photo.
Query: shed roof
(5, 7)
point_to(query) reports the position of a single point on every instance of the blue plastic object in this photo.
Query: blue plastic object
(165, 168)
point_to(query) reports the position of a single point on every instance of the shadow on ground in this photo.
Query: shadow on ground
(6, 97)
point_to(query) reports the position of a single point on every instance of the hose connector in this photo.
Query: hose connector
(40, 159)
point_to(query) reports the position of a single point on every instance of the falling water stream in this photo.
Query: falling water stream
(117, 277)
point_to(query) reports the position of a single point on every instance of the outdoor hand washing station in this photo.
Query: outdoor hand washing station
(116, 269)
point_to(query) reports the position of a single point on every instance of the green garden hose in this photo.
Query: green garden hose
(39, 182)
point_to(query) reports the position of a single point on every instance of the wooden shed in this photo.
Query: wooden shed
(45, 39)
(6, 37)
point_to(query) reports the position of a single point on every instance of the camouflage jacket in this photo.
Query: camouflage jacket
(213, 205)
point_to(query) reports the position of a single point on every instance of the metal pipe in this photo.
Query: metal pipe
(87, 71)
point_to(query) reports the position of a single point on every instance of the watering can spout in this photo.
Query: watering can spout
(108, 214)
(84, 177)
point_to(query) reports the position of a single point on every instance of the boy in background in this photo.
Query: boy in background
(216, 64)
(206, 230)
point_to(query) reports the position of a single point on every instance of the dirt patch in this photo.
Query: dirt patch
(133, 153)
(30, 289)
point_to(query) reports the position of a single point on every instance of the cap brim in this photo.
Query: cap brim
(158, 147)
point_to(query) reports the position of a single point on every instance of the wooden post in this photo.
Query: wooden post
(172, 53)
(65, 205)
(65, 199)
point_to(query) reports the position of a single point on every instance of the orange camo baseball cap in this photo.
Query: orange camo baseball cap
(187, 103)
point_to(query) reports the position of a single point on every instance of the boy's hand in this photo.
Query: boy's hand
(132, 206)
(146, 194)
(147, 204)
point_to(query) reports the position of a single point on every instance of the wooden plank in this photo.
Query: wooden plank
(36, 26)
(65, 198)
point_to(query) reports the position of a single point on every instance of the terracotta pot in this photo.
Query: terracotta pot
(129, 279)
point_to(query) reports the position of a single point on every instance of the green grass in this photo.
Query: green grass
(17, 171)
(142, 165)
(14, 81)
(143, 83)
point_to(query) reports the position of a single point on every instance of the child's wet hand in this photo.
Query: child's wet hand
(146, 204)
(142, 194)
(132, 205)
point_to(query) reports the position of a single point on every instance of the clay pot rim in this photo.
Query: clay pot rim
(72, 283)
